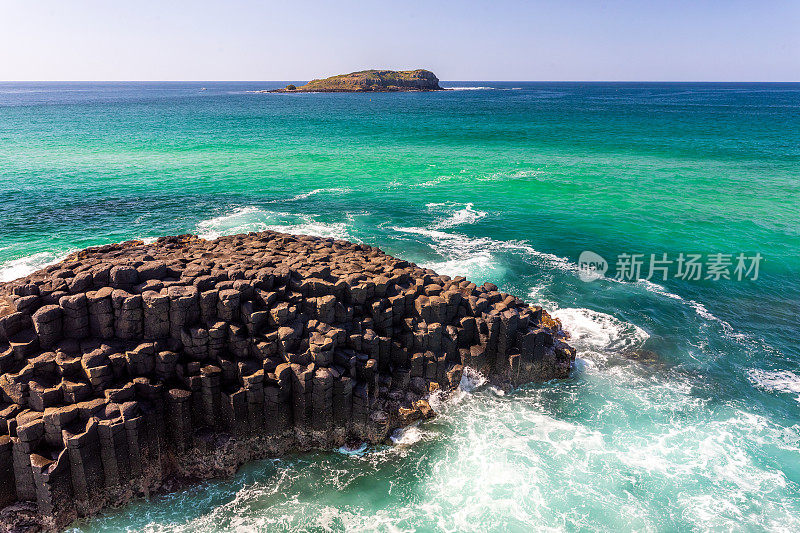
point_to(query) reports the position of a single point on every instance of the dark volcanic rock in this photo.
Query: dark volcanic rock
(130, 366)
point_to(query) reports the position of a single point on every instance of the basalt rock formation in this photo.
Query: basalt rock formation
(132, 364)
(371, 81)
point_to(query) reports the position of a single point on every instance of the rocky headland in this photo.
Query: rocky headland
(132, 368)
(370, 81)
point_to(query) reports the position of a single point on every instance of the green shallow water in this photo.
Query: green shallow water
(508, 184)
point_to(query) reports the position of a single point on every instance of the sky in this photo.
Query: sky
(577, 40)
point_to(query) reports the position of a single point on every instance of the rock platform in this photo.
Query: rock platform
(132, 365)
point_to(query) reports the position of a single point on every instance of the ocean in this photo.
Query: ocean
(682, 410)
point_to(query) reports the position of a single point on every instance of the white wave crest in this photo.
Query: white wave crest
(478, 88)
(246, 219)
(471, 379)
(240, 220)
(506, 176)
(466, 215)
(594, 331)
(463, 255)
(536, 296)
(358, 451)
(474, 256)
(308, 194)
(783, 381)
(18, 268)
(433, 182)
(701, 310)
(407, 436)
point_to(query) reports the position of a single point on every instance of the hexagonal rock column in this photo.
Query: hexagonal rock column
(129, 363)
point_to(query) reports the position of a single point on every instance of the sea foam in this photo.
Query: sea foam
(303, 196)
(463, 255)
(476, 88)
(407, 436)
(250, 218)
(783, 381)
(466, 215)
(599, 332)
(18, 268)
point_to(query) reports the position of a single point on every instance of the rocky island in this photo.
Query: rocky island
(370, 81)
(133, 368)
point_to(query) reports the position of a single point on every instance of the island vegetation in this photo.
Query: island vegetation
(371, 81)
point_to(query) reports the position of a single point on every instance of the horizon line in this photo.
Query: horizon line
(441, 80)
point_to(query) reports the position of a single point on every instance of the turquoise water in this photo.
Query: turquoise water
(682, 411)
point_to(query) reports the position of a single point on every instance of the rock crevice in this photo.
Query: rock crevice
(130, 364)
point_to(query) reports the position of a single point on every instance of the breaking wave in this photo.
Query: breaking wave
(18, 268)
(309, 194)
(599, 332)
(407, 436)
(782, 381)
(701, 310)
(246, 219)
(475, 256)
(522, 175)
(466, 215)
(477, 88)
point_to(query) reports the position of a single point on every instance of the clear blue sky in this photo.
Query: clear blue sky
(459, 40)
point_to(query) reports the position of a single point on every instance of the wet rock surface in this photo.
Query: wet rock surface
(131, 367)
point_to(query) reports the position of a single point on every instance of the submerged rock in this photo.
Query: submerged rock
(131, 367)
